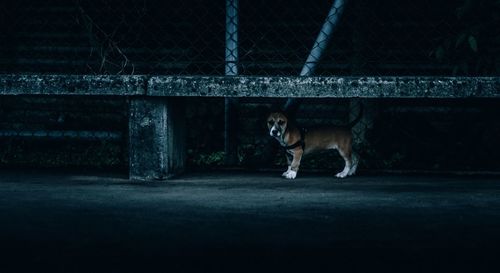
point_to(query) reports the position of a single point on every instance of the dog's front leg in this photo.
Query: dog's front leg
(289, 158)
(294, 166)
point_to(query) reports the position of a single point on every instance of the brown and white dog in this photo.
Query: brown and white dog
(297, 142)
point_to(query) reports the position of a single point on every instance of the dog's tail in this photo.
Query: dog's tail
(358, 118)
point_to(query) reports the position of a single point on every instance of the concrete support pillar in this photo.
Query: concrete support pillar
(156, 138)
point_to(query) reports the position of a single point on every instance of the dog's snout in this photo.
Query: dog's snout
(274, 132)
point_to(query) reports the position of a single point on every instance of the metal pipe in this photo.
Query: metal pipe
(319, 47)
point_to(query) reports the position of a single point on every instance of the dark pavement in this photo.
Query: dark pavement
(213, 222)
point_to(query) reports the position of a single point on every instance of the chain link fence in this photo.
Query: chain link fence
(69, 132)
(445, 37)
(253, 38)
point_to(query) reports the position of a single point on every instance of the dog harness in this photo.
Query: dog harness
(300, 143)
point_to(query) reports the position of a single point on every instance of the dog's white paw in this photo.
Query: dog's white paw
(341, 174)
(286, 172)
(291, 174)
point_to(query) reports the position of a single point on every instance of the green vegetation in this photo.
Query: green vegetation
(473, 48)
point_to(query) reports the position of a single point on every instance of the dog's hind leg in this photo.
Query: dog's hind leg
(355, 161)
(346, 155)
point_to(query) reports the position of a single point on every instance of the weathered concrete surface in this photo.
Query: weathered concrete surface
(101, 85)
(254, 222)
(300, 87)
(328, 87)
(156, 138)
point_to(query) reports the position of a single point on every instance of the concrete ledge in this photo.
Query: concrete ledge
(102, 85)
(299, 87)
(327, 87)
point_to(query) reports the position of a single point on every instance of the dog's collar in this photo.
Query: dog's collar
(300, 143)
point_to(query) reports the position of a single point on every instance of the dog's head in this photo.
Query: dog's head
(277, 123)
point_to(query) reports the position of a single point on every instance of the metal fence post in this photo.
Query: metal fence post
(231, 69)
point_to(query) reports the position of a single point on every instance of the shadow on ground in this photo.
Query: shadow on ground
(236, 221)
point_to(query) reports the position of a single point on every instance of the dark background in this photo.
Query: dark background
(443, 37)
